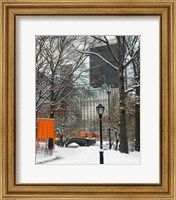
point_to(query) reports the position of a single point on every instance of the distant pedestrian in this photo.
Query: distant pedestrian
(117, 141)
(50, 145)
(116, 145)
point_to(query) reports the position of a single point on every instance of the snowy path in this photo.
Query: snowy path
(90, 155)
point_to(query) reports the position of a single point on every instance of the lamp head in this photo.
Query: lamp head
(100, 109)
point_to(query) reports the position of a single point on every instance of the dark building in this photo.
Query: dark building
(100, 71)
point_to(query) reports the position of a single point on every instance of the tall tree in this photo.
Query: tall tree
(122, 96)
(58, 67)
(134, 84)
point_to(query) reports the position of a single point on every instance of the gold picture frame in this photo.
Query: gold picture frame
(10, 9)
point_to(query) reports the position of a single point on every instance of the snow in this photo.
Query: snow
(88, 155)
(41, 159)
(73, 145)
(43, 156)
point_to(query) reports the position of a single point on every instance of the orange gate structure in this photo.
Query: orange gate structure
(45, 130)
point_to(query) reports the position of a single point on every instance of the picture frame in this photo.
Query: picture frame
(9, 188)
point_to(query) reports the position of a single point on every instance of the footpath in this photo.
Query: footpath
(44, 157)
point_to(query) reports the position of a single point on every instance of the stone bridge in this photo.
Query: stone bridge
(80, 141)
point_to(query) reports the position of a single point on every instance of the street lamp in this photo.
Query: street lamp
(109, 118)
(100, 111)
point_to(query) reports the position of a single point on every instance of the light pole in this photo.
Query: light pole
(109, 118)
(100, 111)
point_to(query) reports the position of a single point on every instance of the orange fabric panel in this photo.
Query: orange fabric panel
(45, 128)
(89, 134)
(83, 134)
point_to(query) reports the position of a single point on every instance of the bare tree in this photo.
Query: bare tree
(57, 69)
(134, 84)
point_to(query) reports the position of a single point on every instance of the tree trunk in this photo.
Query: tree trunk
(52, 95)
(137, 120)
(123, 125)
(137, 112)
(51, 112)
(122, 99)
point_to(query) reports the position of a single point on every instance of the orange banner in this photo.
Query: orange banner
(45, 128)
(83, 134)
(89, 135)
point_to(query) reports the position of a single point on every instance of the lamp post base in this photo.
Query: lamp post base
(101, 157)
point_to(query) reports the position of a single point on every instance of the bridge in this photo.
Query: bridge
(79, 141)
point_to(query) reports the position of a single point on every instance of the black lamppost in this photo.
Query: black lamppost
(109, 118)
(100, 111)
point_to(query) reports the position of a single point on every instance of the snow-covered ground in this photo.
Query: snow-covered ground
(42, 157)
(87, 155)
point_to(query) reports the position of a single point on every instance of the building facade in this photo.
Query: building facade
(89, 100)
